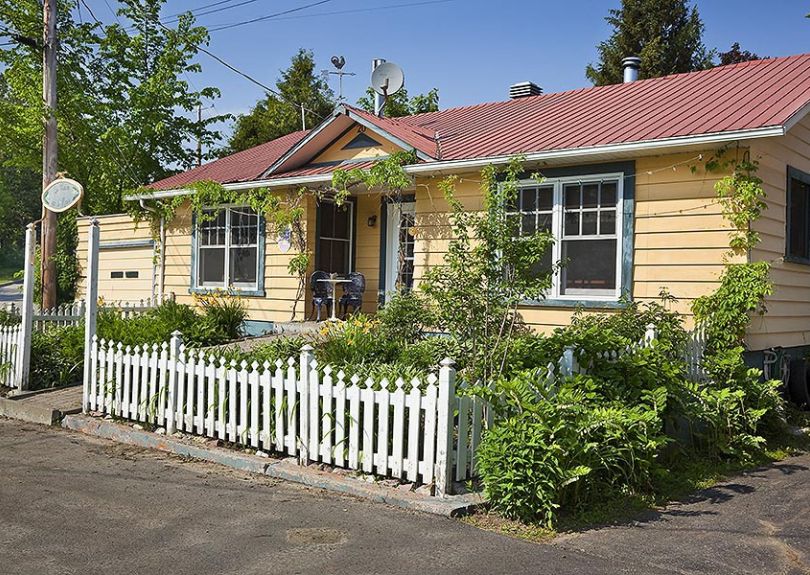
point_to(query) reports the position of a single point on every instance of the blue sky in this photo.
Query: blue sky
(471, 50)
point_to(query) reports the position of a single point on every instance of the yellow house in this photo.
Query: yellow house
(625, 194)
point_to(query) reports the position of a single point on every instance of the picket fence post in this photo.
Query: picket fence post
(91, 307)
(174, 352)
(567, 363)
(23, 352)
(649, 335)
(445, 427)
(303, 406)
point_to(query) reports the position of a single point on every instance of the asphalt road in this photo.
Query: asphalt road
(75, 504)
(11, 292)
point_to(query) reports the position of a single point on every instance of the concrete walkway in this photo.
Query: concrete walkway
(76, 504)
(46, 406)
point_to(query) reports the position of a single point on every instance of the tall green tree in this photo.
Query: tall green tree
(736, 55)
(666, 34)
(125, 107)
(400, 104)
(280, 114)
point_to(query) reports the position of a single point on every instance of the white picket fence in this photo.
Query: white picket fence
(10, 338)
(418, 430)
(73, 313)
(572, 360)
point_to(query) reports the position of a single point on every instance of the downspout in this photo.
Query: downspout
(162, 253)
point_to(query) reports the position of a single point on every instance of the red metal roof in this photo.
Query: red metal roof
(737, 97)
(239, 167)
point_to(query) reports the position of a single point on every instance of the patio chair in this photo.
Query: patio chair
(352, 294)
(321, 294)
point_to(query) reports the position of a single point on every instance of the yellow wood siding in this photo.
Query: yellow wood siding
(118, 228)
(680, 235)
(336, 153)
(787, 322)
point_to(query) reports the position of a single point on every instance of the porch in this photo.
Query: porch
(368, 233)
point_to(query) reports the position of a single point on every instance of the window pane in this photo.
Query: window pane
(333, 256)
(589, 223)
(608, 198)
(544, 222)
(798, 244)
(607, 223)
(590, 267)
(244, 226)
(528, 224)
(572, 196)
(243, 266)
(545, 199)
(513, 221)
(342, 221)
(327, 223)
(212, 228)
(528, 200)
(572, 224)
(590, 195)
(211, 263)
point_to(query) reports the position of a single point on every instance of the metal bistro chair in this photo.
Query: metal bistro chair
(321, 294)
(352, 294)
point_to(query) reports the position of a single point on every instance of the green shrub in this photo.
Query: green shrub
(405, 317)
(566, 447)
(356, 340)
(7, 318)
(223, 316)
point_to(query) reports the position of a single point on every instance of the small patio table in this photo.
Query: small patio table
(334, 281)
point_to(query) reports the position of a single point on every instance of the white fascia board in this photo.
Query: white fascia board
(572, 153)
(797, 117)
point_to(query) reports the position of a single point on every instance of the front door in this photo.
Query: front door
(333, 253)
(400, 243)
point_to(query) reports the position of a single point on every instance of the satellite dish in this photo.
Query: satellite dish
(387, 79)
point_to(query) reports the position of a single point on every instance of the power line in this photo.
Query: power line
(176, 17)
(339, 12)
(268, 17)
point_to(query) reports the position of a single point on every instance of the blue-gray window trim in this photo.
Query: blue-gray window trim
(793, 173)
(628, 169)
(384, 202)
(260, 256)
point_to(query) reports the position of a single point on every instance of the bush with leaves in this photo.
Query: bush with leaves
(405, 317)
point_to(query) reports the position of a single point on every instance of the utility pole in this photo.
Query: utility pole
(199, 139)
(50, 152)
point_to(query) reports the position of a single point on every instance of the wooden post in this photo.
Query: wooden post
(23, 362)
(90, 306)
(444, 429)
(174, 353)
(50, 152)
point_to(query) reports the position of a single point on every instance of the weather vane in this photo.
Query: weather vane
(338, 62)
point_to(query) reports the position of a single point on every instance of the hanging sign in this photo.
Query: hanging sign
(62, 194)
(284, 240)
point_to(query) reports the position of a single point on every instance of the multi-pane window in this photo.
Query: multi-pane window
(798, 216)
(583, 216)
(334, 250)
(407, 245)
(228, 248)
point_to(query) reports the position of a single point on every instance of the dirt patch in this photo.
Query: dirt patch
(490, 521)
(316, 536)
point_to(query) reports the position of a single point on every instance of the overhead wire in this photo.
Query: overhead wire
(268, 17)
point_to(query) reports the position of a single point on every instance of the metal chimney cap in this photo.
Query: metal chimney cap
(631, 62)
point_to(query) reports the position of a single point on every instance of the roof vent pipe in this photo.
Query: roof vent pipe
(379, 99)
(631, 66)
(523, 89)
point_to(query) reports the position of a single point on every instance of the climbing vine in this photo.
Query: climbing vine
(283, 213)
(743, 286)
(386, 174)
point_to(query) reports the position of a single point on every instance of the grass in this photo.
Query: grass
(7, 273)
(691, 474)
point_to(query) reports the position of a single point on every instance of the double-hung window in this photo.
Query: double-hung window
(228, 248)
(798, 216)
(584, 215)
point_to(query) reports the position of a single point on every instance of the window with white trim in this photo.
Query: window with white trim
(583, 215)
(228, 248)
